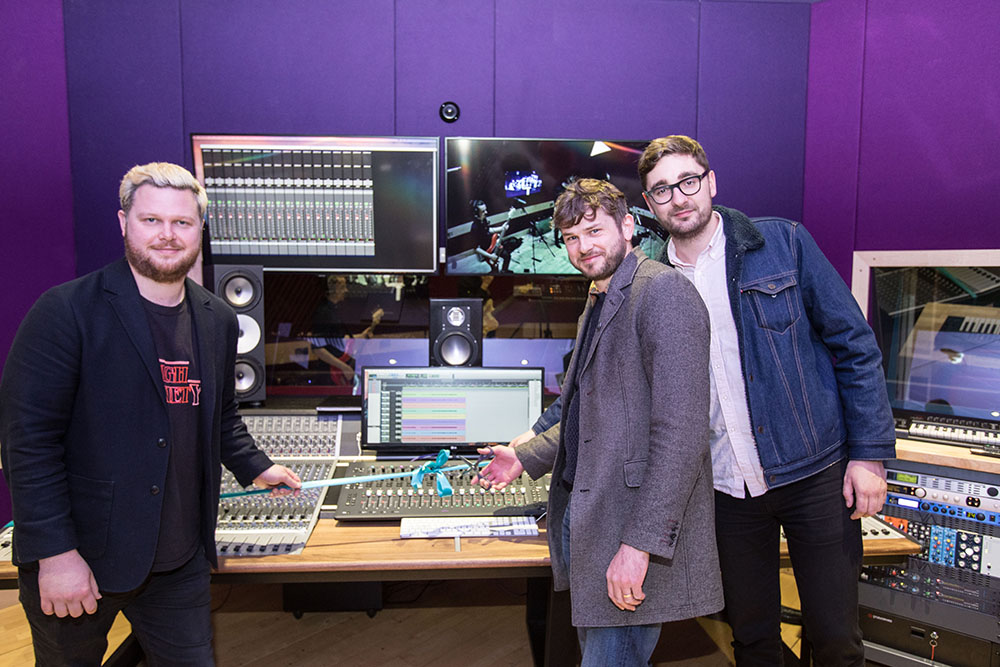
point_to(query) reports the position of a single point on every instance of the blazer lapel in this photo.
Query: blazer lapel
(613, 299)
(123, 297)
(206, 334)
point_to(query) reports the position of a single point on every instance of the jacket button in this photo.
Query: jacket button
(154, 490)
(751, 377)
(161, 443)
(760, 429)
(770, 286)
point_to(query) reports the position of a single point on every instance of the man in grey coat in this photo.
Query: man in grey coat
(632, 479)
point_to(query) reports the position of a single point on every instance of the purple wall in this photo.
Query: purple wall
(752, 103)
(565, 68)
(125, 99)
(903, 126)
(34, 161)
(833, 127)
(577, 70)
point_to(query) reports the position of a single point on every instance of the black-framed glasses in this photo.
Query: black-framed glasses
(690, 186)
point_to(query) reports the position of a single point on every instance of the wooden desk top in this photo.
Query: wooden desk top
(373, 551)
(945, 455)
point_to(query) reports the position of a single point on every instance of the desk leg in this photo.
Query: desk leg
(536, 612)
(550, 632)
(561, 647)
(128, 654)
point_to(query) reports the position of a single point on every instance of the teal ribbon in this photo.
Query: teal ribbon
(416, 478)
(434, 467)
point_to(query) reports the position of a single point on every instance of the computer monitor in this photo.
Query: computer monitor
(501, 192)
(347, 204)
(936, 316)
(422, 410)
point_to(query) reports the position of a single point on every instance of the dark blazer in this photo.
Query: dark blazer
(84, 432)
(644, 471)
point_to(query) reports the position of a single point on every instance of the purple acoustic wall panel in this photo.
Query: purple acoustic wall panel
(587, 69)
(930, 126)
(123, 65)
(444, 53)
(833, 128)
(752, 103)
(34, 158)
(299, 67)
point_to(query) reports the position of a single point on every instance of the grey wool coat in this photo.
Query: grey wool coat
(644, 472)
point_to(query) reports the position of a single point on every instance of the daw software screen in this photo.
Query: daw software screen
(428, 408)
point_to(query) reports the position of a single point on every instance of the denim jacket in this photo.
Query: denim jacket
(812, 369)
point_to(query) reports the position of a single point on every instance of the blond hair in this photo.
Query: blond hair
(161, 175)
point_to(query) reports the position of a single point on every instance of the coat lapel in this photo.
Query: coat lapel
(123, 297)
(206, 334)
(613, 300)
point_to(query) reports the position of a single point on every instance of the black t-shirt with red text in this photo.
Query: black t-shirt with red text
(180, 517)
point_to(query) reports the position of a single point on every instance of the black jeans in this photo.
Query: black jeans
(170, 615)
(825, 549)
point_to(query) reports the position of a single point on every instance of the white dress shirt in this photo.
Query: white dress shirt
(734, 453)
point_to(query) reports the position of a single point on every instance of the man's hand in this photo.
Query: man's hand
(279, 479)
(864, 487)
(625, 576)
(523, 438)
(502, 470)
(67, 586)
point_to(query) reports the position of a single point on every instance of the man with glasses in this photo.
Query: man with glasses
(800, 419)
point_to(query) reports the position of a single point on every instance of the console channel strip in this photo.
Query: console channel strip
(397, 499)
(296, 437)
(262, 524)
(955, 579)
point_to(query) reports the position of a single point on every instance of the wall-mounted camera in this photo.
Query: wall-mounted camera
(449, 112)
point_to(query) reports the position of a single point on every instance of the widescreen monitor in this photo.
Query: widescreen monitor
(348, 204)
(936, 316)
(500, 196)
(421, 410)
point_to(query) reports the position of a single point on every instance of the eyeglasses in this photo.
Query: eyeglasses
(662, 194)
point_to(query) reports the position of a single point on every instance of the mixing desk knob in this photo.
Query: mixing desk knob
(920, 492)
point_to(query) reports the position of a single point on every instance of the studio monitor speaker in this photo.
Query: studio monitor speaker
(456, 332)
(242, 287)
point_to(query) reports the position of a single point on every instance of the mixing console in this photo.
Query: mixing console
(874, 528)
(397, 499)
(262, 524)
(296, 437)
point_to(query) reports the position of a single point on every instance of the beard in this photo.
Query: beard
(167, 273)
(686, 229)
(612, 260)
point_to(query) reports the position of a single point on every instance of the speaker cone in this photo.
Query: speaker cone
(456, 350)
(249, 334)
(239, 291)
(246, 377)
